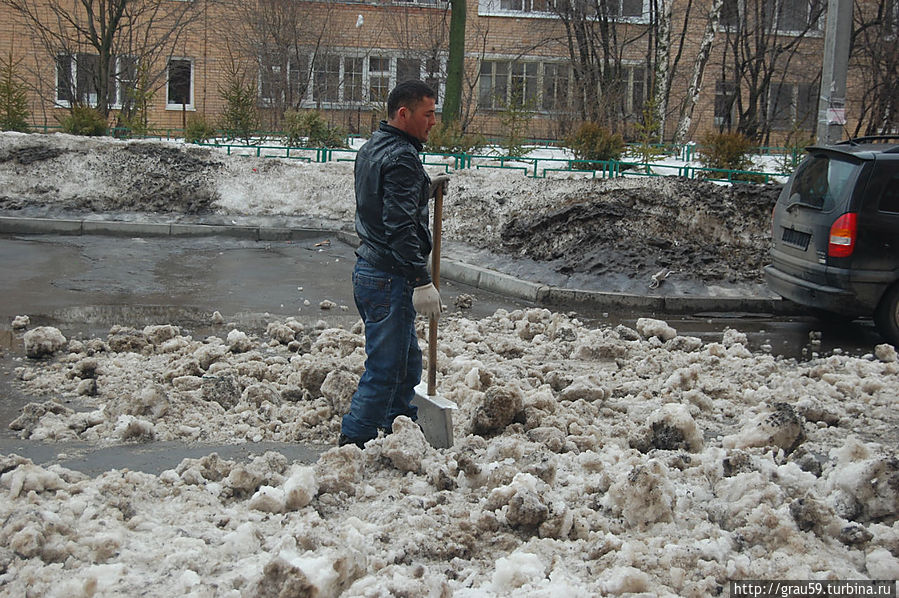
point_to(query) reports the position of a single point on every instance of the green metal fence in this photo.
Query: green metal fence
(535, 167)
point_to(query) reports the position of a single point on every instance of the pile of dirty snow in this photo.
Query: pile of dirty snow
(588, 461)
(584, 232)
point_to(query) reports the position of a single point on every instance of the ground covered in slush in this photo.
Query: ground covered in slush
(583, 232)
(589, 461)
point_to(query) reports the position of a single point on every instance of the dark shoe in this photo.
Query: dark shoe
(347, 440)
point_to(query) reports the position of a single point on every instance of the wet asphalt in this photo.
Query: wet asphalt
(84, 284)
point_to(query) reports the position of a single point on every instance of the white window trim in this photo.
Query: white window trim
(72, 74)
(73, 67)
(188, 107)
(423, 3)
(813, 30)
(492, 8)
(308, 101)
(539, 80)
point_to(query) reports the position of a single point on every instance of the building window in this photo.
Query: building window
(433, 75)
(891, 18)
(730, 14)
(272, 79)
(725, 98)
(298, 79)
(520, 84)
(78, 79)
(555, 86)
(378, 78)
(524, 85)
(126, 80)
(493, 90)
(87, 78)
(636, 92)
(615, 9)
(798, 15)
(326, 79)
(527, 5)
(407, 68)
(792, 105)
(622, 8)
(352, 79)
(179, 91)
(780, 15)
(282, 80)
(338, 79)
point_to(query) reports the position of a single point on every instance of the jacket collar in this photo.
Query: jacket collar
(399, 132)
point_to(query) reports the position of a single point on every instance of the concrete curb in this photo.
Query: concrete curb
(475, 276)
(40, 226)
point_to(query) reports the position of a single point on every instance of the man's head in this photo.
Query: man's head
(410, 108)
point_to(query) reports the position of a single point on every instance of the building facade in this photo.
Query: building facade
(631, 65)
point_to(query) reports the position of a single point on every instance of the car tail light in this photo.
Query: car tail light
(842, 236)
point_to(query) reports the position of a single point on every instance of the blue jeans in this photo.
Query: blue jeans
(393, 362)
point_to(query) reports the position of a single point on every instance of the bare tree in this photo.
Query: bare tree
(702, 57)
(875, 56)
(661, 79)
(761, 39)
(668, 52)
(481, 33)
(106, 41)
(597, 46)
(424, 39)
(285, 39)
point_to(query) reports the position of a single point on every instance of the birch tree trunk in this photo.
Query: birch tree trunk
(663, 64)
(702, 58)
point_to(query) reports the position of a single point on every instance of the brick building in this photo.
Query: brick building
(343, 57)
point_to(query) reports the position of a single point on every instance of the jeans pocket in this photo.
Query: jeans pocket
(372, 294)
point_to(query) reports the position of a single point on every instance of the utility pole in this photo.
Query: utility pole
(832, 99)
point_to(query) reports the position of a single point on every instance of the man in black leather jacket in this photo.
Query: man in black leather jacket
(391, 281)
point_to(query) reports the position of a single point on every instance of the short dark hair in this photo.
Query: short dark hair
(409, 94)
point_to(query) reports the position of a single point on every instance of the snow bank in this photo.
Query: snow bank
(589, 461)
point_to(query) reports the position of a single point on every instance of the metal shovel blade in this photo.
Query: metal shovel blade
(435, 416)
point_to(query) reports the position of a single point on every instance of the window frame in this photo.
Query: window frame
(284, 88)
(725, 96)
(429, 69)
(118, 86)
(506, 74)
(550, 88)
(816, 29)
(801, 95)
(381, 75)
(534, 9)
(168, 82)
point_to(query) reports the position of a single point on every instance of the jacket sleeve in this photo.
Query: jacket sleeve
(402, 196)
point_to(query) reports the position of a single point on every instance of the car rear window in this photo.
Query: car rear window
(822, 180)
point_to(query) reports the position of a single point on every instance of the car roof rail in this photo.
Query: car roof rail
(870, 139)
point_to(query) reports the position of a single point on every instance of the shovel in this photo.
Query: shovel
(435, 413)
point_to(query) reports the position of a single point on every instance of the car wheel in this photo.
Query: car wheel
(886, 317)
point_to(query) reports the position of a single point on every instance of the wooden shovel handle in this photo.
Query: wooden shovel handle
(435, 277)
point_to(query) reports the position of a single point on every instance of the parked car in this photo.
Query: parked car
(835, 229)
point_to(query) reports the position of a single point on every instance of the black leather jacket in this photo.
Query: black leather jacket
(392, 205)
